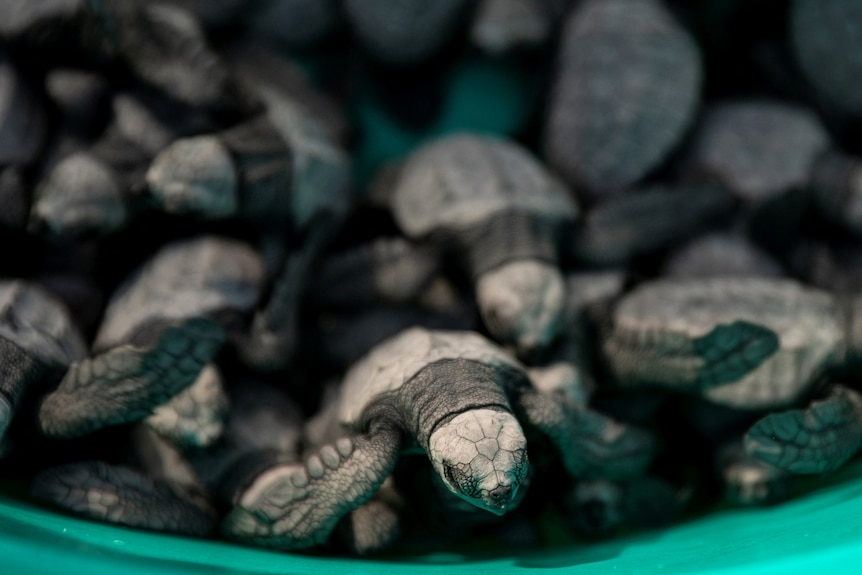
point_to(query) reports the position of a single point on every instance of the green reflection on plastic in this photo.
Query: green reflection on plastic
(820, 529)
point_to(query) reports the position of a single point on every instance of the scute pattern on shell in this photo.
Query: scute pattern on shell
(758, 149)
(628, 85)
(395, 361)
(654, 327)
(462, 180)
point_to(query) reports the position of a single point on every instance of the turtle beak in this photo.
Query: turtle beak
(501, 499)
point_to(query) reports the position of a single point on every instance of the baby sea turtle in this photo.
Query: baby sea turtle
(627, 87)
(749, 344)
(453, 394)
(38, 342)
(162, 325)
(826, 37)
(489, 202)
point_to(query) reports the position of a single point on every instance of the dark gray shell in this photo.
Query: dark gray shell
(185, 279)
(827, 38)
(758, 148)
(404, 31)
(653, 329)
(389, 365)
(463, 180)
(627, 87)
(39, 324)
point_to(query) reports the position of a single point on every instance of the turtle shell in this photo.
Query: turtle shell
(627, 87)
(653, 329)
(392, 363)
(462, 181)
(38, 323)
(758, 148)
(827, 38)
(188, 278)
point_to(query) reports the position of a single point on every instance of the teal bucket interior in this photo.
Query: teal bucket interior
(821, 528)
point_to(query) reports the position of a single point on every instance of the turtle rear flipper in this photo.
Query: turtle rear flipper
(592, 445)
(296, 506)
(126, 383)
(730, 351)
(124, 496)
(816, 439)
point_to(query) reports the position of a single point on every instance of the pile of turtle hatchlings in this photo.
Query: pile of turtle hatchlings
(641, 301)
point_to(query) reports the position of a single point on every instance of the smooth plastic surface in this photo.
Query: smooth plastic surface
(818, 530)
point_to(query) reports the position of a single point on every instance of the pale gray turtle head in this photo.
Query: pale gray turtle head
(627, 87)
(481, 456)
(80, 195)
(758, 148)
(522, 303)
(195, 176)
(827, 40)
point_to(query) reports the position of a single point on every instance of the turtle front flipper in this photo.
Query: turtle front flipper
(816, 439)
(125, 383)
(124, 496)
(730, 351)
(296, 506)
(592, 445)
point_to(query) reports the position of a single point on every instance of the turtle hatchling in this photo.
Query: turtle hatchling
(488, 201)
(451, 394)
(750, 344)
(627, 87)
(161, 327)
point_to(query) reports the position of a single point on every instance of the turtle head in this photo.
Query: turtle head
(481, 456)
(521, 303)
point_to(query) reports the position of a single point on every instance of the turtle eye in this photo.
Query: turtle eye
(461, 481)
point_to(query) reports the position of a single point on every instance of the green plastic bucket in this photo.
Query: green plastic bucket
(821, 528)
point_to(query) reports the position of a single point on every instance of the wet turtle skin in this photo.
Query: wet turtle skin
(627, 87)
